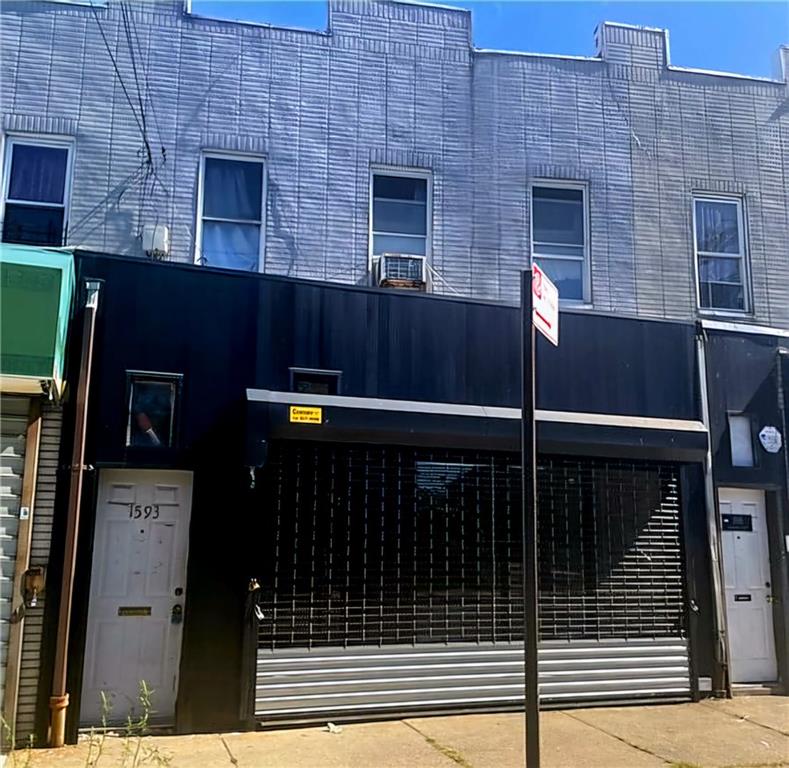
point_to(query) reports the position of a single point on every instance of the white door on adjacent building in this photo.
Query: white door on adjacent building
(749, 595)
(137, 593)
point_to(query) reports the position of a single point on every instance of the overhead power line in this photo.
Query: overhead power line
(130, 26)
(117, 71)
(133, 59)
(148, 96)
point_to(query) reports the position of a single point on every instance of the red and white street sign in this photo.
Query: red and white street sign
(545, 305)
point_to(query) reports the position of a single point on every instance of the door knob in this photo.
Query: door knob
(771, 599)
(177, 614)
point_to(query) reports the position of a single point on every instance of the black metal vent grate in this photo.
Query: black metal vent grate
(388, 545)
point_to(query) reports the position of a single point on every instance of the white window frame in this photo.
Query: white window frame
(230, 155)
(86, 3)
(406, 173)
(745, 261)
(586, 276)
(38, 140)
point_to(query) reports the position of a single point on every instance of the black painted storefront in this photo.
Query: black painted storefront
(748, 374)
(228, 332)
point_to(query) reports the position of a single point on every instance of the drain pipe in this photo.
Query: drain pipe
(721, 683)
(782, 399)
(59, 700)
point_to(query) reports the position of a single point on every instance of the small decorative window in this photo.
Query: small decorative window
(741, 441)
(720, 254)
(313, 381)
(36, 191)
(400, 216)
(153, 406)
(232, 203)
(559, 242)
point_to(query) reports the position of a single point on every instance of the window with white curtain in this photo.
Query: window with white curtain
(559, 240)
(720, 254)
(400, 219)
(231, 216)
(36, 191)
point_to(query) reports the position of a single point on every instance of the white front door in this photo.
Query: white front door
(137, 593)
(749, 595)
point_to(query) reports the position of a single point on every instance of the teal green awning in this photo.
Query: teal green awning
(36, 290)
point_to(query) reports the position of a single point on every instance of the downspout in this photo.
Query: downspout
(59, 700)
(782, 399)
(782, 650)
(720, 683)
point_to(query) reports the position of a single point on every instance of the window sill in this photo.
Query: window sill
(741, 314)
(99, 4)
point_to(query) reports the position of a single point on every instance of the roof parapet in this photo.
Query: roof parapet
(632, 45)
(401, 21)
(781, 70)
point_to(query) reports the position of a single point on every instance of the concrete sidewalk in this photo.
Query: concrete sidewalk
(747, 731)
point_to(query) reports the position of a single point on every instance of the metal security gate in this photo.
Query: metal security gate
(13, 428)
(392, 581)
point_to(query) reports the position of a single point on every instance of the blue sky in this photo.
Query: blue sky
(728, 36)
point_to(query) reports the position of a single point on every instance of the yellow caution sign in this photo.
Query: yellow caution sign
(300, 414)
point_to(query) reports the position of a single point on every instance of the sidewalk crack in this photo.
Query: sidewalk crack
(233, 758)
(449, 752)
(619, 738)
(744, 718)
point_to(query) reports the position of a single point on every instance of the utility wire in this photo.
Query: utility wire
(139, 120)
(146, 149)
(147, 164)
(127, 30)
(117, 71)
(152, 172)
(148, 97)
(131, 26)
(117, 193)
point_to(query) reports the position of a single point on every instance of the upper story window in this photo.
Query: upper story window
(35, 191)
(231, 203)
(720, 254)
(559, 240)
(400, 220)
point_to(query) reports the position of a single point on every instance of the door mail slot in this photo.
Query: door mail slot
(742, 598)
(737, 523)
(134, 610)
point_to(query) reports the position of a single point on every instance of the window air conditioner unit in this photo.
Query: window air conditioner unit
(401, 270)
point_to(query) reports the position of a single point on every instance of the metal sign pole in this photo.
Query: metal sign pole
(529, 502)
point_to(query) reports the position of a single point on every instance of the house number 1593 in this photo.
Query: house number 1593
(137, 511)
